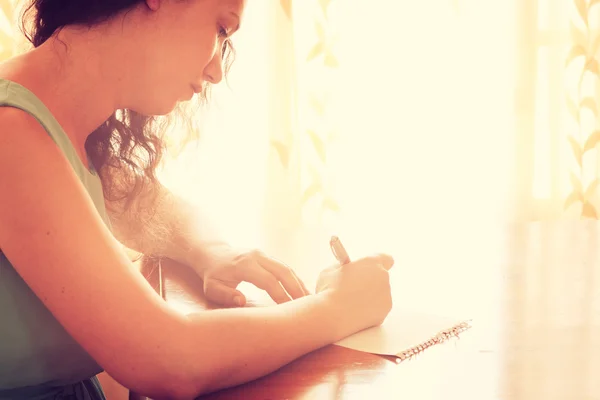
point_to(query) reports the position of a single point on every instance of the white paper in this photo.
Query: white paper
(399, 332)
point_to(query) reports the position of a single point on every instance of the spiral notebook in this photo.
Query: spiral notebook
(406, 335)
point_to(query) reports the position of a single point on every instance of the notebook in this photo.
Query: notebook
(405, 335)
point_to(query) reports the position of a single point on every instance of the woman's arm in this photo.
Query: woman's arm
(158, 222)
(242, 344)
(51, 232)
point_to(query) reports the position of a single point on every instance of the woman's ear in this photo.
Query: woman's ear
(153, 4)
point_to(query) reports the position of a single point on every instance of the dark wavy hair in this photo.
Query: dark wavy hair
(127, 142)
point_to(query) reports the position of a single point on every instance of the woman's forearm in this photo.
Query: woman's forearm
(228, 347)
(160, 223)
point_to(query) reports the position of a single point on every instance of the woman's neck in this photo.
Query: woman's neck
(69, 75)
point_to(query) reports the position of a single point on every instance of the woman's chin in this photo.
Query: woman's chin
(159, 110)
(164, 107)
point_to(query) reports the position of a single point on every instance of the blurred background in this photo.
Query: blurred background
(421, 129)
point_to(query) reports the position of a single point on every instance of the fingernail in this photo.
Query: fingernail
(238, 301)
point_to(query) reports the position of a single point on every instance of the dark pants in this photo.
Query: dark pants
(88, 389)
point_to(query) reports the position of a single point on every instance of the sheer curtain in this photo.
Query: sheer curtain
(558, 108)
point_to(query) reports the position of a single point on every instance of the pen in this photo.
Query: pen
(338, 250)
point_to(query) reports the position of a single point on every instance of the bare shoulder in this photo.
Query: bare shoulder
(10, 115)
(29, 152)
(18, 127)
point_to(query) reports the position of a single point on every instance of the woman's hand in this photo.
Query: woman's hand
(361, 289)
(224, 268)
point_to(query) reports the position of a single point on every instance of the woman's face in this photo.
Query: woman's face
(182, 50)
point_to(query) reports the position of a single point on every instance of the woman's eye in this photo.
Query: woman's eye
(227, 46)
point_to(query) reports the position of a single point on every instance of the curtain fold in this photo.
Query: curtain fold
(581, 99)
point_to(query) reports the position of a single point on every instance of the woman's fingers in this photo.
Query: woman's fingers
(255, 274)
(304, 288)
(220, 293)
(288, 278)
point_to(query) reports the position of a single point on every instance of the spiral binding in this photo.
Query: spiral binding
(441, 337)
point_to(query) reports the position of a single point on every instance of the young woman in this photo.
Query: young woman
(79, 144)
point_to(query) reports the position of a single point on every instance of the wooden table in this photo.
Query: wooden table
(536, 336)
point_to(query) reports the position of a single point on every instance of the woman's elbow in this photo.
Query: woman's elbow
(157, 382)
(184, 389)
(174, 391)
(166, 389)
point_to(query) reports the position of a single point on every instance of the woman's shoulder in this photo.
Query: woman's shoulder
(19, 104)
(19, 112)
(34, 142)
(22, 112)
(22, 138)
(17, 126)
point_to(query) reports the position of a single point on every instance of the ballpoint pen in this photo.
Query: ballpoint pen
(338, 250)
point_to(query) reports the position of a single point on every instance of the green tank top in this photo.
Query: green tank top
(37, 356)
